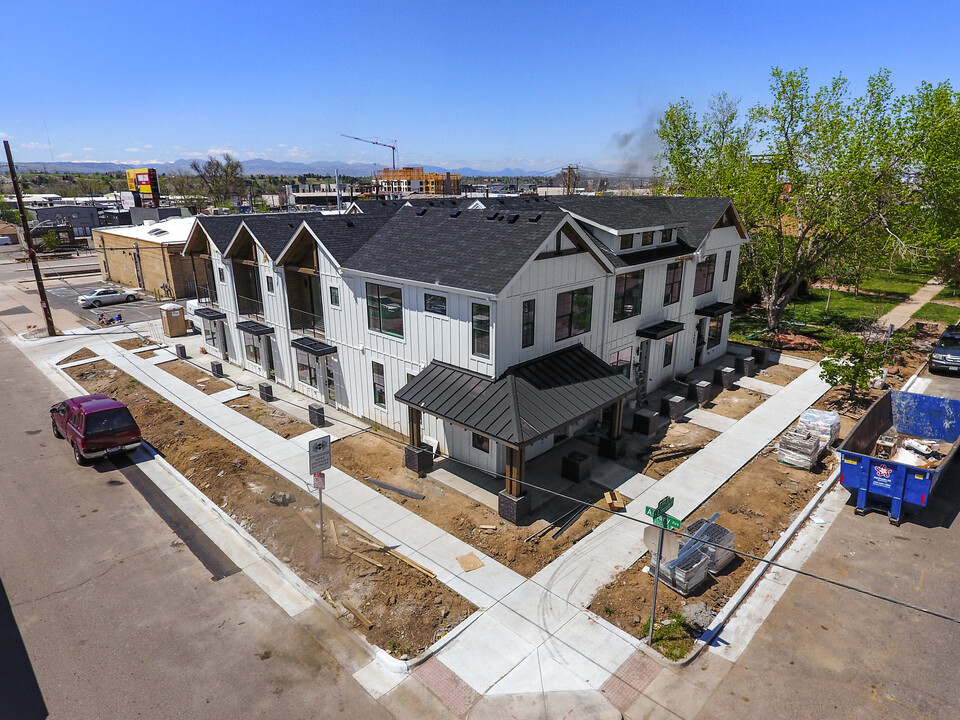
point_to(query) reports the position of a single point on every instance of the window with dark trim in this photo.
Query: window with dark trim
(620, 361)
(307, 369)
(270, 284)
(671, 290)
(626, 242)
(436, 304)
(574, 311)
(647, 238)
(726, 265)
(480, 318)
(220, 274)
(628, 295)
(481, 443)
(334, 296)
(716, 328)
(385, 309)
(703, 281)
(379, 388)
(668, 351)
(528, 323)
(666, 235)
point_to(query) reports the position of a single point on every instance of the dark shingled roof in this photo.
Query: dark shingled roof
(274, 230)
(528, 402)
(699, 214)
(389, 207)
(220, 228)
(468, 251)
(345, 234)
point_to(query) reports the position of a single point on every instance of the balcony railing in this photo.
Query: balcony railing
(306, 323)
(206, 297)
(250, 306)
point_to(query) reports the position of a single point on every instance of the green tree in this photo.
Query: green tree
(9, 214)
(855, 360)
(223, 178)
(830, 176)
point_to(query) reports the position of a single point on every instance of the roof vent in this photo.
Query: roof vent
(512, 218)
(455, 214)
(535, 218)
(492, 216)
(421, 212)
(349, 223)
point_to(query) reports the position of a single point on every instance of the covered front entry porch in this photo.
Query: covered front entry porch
(527, 404)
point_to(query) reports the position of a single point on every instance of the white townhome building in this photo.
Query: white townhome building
(489, 328)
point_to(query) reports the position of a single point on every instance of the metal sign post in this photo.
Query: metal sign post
(663, 521)
(320, 460)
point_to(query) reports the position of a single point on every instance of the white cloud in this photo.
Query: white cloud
(280, 145)
(132, 150)
(147, 147)
(33, 145)
(220, 151)
(296, 152)
(4, 136)
(65, 156)
(87, 149)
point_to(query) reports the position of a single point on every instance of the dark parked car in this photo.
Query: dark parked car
(946, 354)
(95, 425)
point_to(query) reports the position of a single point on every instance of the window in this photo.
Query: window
(306, 369)
(621, 361)
(626, 242)
(334, 296)
(703, 281)
(668, 351)
(481, 443)
(574, 310)
(385, 309)
(379, 389)
(666, 236)
(220, 274)
(436, 304)
(209, 332)
(481, 330)
(528, 323)
(559, 241)
(716, 328)
(628, 295)
(671, 291)
(647, 238)
(270, 284)
(726, 265)
(251, 348)
(331, 381)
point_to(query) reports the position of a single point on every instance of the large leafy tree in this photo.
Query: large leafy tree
(223, 178)
(818, 176)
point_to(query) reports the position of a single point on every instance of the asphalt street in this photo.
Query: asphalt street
(111, 606)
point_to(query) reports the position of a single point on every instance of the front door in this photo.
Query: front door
(330, 382)
(642, 367)
(701, 341)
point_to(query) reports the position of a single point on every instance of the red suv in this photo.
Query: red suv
(95, 425)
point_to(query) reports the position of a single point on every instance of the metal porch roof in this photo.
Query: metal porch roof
(715, 309)
(210, 314)
(660, 330)
(313, 347)
(254, 328)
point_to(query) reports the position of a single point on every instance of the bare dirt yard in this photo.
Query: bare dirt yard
(192, 375)
(780, 374)
(270, 417)
(83, 353)
(408, 610)
(132, 343)
(735, 402)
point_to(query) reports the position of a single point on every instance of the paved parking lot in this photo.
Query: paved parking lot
(62, 294)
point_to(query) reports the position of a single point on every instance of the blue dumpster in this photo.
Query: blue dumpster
(882, 484)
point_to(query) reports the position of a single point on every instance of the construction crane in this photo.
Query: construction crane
(375, 142)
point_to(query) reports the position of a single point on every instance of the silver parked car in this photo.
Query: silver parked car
(106, 296)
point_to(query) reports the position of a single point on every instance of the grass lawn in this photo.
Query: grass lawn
(898, 282)
(949, 292)
(935, 312)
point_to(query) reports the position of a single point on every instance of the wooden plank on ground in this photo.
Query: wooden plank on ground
(411, 563)
(361, 618)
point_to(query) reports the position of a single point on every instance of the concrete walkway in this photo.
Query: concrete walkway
(532, 637)
(899, 315)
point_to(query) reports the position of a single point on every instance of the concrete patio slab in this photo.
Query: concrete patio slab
(229, 394)
(709, 420)
(760, 386)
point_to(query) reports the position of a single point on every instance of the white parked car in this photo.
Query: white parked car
(106, 296)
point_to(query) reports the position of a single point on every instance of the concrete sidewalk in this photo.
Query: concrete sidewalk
(899, 315)
(532, 637)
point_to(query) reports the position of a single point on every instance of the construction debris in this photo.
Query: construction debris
(804, 445)
(615, 501)
(361, 618)
(281, 498)
(394, 488)
(470, 562)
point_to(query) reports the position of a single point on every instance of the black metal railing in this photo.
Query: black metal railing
(250, 306)
(306, 323)
(207, 296)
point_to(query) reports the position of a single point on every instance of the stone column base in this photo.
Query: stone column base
(513, 509)
(418, 459)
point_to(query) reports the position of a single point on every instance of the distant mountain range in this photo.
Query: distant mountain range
(260, 166)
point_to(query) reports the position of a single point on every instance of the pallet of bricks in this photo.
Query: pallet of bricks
(802, 446)
(707, 548)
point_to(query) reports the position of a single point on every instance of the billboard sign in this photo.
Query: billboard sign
(127, 200)
(139, 180)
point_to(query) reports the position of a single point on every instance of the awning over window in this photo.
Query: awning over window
(528, 402)
(313, 347)
(661, 330)
(254, 328)
(716, 309)
(210, 314)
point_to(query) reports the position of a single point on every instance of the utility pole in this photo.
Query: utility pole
(31, 253)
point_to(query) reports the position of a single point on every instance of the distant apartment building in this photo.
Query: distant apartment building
(410, 180)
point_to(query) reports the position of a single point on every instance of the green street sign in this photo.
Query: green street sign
(664, 505)
(666, 522)
(651, 512)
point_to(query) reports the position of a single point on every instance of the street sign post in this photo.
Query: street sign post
(320, 460)
(662, 521)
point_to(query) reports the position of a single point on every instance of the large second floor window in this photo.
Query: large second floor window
(726, 265)
(385, 309)
(628, 294)
(671, 290)
(480, 315)
(574, 310)
(528, 323)
(703, 282)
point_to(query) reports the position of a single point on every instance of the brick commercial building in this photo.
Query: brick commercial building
(148, 257)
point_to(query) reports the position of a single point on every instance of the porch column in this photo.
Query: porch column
(515, 467)
(416, 457)
(413, 420)
(616, 420)
(513, 503)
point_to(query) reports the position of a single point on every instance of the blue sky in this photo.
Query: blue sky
(531, 85)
